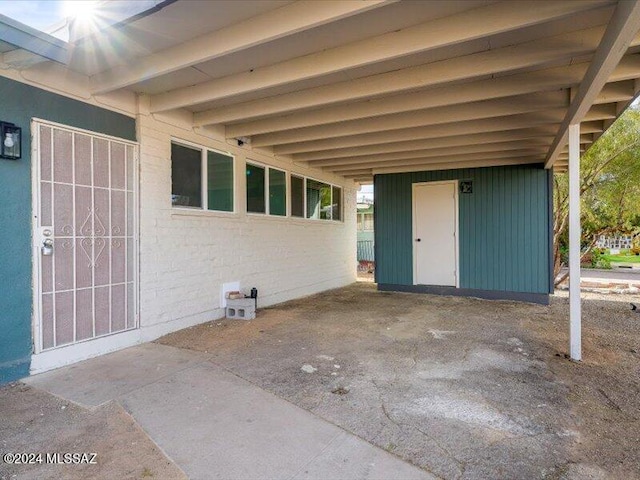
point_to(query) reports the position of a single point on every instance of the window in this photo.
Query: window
(220, 182)
(359, 222)
(189, 165)
(297, 196)
(323, 201)
(277, 192)
(318, 200)
(264, 179)
(336, 203)
(255, 189)
(186, 176)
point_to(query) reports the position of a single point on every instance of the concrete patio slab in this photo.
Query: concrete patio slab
(99, 380)
(215, 425)
(462, 387)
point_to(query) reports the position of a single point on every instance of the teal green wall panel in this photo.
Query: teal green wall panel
(20, 103)
(503, 227)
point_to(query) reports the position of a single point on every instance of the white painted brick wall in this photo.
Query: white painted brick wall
(186, 256)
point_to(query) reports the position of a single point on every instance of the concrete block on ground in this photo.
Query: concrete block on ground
(241, 308)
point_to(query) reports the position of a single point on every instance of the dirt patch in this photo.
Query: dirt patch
(37, 422)
(604, 388)
(461, 387)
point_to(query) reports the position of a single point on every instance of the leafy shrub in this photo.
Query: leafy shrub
(598, 259)
(564, 254)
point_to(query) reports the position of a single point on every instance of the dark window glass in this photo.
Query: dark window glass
(297, 196)
(255, 189)
(336, 207)
(277, 192)
(220, 182)
(186, 176)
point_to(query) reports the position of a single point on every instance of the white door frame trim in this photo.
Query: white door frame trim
(456, 223)
(54, 358)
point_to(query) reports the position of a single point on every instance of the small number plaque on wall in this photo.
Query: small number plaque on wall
(466, 186)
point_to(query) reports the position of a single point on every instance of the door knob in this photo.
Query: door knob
(47, 247)
(418, 239)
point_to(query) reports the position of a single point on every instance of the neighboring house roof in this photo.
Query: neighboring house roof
(376, 86)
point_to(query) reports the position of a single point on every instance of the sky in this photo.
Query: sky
(44, 14)
(365, 192)
(39, 14)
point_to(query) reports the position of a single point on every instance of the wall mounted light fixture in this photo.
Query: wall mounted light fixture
(10, 141)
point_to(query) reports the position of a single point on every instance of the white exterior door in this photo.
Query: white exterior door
(435, 220)
(85, 236)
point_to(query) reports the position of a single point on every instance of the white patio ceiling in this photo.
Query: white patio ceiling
(365, 87)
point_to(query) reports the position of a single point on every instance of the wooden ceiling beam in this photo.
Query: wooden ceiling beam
(489, 148)
(493, 88)
(420, 160)
(454, 29)
(450, 165)
(288, 20)
(434, 116)
(548, 118)
(524, 134)
(621, 30)
(534, 54)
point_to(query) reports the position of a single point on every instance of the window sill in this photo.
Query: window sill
(189, 212)
(194, 212)
(292, 220)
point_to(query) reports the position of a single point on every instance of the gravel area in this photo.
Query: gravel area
(33, 421)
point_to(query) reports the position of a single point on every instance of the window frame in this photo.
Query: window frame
(287, 189)
(267, 186)
(331, 187)
(204, 180)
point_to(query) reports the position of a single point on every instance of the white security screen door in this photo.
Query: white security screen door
(85, 235)
(434, 233)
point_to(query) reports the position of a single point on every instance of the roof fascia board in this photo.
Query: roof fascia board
(32, 40)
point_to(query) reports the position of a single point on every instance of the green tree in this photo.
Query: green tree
(609, 188)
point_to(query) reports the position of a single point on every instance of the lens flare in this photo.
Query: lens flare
(80, 10)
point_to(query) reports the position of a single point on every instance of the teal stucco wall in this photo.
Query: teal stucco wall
(20, 103)
(504, 228)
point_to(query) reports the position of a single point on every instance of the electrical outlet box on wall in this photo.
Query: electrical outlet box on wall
(227, 287)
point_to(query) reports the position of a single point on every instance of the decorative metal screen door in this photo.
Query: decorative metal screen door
(85, 236)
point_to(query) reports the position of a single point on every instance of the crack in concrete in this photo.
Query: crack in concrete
(462, 466)
(414, 355)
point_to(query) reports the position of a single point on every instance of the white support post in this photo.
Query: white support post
(575, 309)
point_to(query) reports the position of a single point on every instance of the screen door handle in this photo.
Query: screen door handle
(47, 247)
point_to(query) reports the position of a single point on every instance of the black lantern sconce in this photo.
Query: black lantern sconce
(11, 141)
